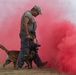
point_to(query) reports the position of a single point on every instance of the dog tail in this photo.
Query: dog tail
(3, 48)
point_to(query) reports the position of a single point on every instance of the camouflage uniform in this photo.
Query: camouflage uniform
(25, 48)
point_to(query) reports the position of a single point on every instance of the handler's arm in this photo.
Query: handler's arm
(25, 25)
(26, 20)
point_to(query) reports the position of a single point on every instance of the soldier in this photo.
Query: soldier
(28, 25)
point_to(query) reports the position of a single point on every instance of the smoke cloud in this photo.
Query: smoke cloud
(56, 31)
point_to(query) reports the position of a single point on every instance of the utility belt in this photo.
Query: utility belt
(32, 34)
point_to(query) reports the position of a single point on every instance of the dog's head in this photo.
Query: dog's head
(34, 46)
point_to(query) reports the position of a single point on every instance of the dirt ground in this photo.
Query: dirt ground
(9, 70)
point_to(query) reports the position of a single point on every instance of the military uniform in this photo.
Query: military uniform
(25, 47)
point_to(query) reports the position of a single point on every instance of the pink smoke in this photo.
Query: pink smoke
(56, 32)
(60, 47)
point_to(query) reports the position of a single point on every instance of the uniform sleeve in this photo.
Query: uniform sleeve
(27, 14)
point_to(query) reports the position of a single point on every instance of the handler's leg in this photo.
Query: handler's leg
(23, 53)
(38, 61)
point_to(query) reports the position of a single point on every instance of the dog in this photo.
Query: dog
(12, 56)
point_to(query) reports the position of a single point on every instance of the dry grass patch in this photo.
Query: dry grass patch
(9, 70)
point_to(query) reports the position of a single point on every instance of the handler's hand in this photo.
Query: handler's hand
(28, 37)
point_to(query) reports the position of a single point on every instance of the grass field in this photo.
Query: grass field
(9, 70)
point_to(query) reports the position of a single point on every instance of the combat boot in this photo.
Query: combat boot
(41, 64)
